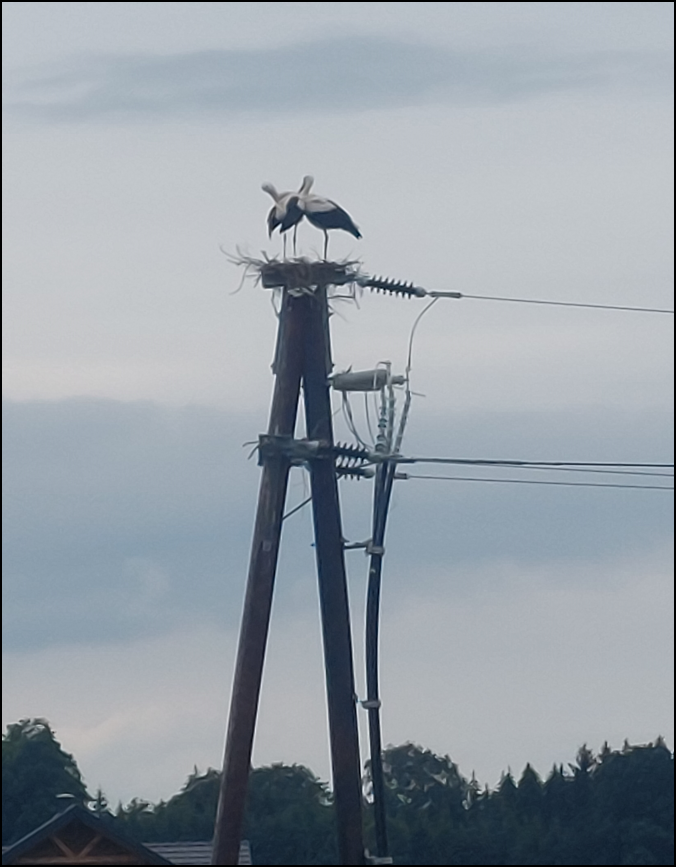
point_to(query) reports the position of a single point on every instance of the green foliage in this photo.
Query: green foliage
(35, 770)
(289, 817)
(425, 796)
(634, 805)
(189, 815)
(613, 808)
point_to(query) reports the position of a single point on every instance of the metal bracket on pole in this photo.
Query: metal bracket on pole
(295, 451)
(303, 451)
(355, 546)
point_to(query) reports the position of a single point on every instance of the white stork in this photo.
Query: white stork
(285, 213)
(324, 213)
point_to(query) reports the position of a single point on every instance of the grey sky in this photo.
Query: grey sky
(341, 74)
(519, 149)
(142, 508)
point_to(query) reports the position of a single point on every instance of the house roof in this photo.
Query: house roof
(195, 853)
(77, 833)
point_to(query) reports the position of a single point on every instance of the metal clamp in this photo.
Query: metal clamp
(351, 546)
(375, 859)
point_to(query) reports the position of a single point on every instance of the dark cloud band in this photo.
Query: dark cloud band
(129, 519)
(334, 75)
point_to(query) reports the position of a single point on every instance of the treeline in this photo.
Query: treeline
(612, 808)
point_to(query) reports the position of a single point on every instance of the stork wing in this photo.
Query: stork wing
(293, 214)
(273, 220)
(317, 205)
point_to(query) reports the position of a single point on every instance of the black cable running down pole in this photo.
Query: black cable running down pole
(381, 500)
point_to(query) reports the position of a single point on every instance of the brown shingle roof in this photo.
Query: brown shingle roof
(194, 853)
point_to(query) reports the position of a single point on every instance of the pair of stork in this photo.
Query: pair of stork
(290, 208)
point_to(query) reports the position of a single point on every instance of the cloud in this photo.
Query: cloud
(130, 519)
(116, 513)
(525, 669)
(471, 522)
(331, 75)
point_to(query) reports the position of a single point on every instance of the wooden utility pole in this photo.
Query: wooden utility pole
(335, 613)
(260, 583)
(303, 352)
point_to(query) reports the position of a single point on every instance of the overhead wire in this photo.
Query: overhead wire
(536, 482)
(527, 464)
(588, 470)
(386, 472)
(387, 444)
(459, 295)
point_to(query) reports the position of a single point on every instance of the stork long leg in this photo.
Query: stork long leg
(326, 244)
(284, 247)
(295, 231)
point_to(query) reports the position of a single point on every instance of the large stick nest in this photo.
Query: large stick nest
(299, 276)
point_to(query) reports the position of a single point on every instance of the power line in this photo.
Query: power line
(536, 482)
(550, 303)
(525, 464)
(409, 290)
(555, 469)
(591, 464)
(605, 472)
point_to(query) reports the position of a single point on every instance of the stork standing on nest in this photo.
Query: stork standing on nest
(285, 213)
(323, 213)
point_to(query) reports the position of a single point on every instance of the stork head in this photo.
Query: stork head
(271, 191)
(305, 187)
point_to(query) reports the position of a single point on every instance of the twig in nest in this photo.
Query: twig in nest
(300, 276)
